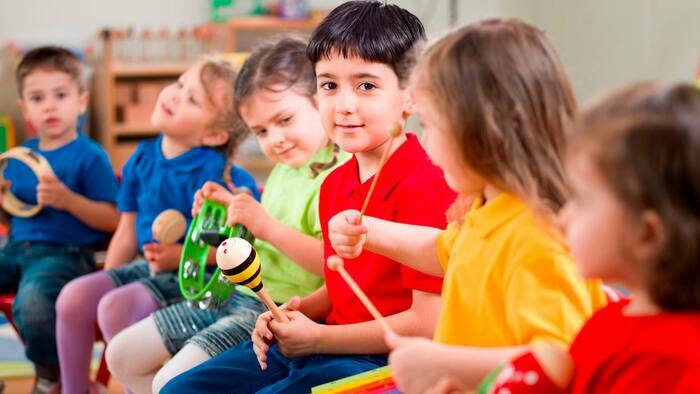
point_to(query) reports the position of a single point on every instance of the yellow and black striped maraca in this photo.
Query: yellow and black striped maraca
(240, 263)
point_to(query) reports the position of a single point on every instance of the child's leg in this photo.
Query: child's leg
(123, 307)
(76, 311)
(189, 357)
(135, 354)
(235, 370)
(45, 271)
(9, 268)
(227, 327)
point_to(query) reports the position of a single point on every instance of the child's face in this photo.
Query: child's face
(52, 102)
(358, 100)
(183, 112)
(287, 125)
(598, 226)
(442, 149)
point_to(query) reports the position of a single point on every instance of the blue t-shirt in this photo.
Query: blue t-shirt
(151, 183)
(83, 166)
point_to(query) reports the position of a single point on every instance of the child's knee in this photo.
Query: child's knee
(117, 356)
(32, 303)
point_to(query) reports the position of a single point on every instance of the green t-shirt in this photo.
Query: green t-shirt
(291, 197)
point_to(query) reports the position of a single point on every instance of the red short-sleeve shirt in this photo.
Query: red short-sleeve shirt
(615, 353)
(412, 190)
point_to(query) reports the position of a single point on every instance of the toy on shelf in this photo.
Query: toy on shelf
(240, 263)
(169, 226)
(7, 133)
(208, 228)
(546, 369)
(336, 263)
(39, 166)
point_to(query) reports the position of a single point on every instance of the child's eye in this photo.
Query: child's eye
(35, 99)
(61, 95)
(179, 84)
(367, 86)
(260, 133)
(286, 120)
(328, 85)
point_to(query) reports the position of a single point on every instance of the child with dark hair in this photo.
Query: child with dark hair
(634, 219)
(199, 129)
(275, 94)
(48, 250)
(362, 53)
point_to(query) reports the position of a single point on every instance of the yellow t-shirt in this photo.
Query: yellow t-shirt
(509, 280)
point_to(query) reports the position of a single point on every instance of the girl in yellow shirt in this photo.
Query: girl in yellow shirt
(495, 104)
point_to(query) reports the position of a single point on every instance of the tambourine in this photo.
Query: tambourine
(207, 229)
(39, 166)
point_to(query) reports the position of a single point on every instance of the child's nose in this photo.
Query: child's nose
(347, 102)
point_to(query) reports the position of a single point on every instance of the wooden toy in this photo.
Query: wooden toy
(546, 369)
(336, 264)
(394, 131)
(207, 229)
(240, 263)
(169, 226)
(39, 166)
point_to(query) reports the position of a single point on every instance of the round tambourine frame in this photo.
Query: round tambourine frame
(207, 229)
(39, 166)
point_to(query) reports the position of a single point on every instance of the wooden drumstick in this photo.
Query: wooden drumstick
(240, 263)
(394, 131)
(336, 264)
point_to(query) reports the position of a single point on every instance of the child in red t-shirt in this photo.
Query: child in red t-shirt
(635, 220)
(363, 53)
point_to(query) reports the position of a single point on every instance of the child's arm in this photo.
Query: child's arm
(123, 247)
(99, 215)
(411, 245)
(305, 250)
(302, 336)
(419, 364)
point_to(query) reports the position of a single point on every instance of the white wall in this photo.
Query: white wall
(602, 42)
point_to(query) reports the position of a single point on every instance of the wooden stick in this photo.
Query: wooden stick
(274, 309)
(394, 131)
(336, 264)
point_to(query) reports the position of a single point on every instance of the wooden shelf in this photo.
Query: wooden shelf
(126, 129)
(155, 69)
(270, 22)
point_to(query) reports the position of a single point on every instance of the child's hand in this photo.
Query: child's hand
(346, 236)
(211, 191)
(263, 337)
(448, 385)
(300, 335)
(4, 187)
(413, 364)
(53, 193)
(162, 257)
(245, 210)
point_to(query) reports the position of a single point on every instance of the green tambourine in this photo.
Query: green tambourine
(207, 229)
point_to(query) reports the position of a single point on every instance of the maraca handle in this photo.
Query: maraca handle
(274, 309)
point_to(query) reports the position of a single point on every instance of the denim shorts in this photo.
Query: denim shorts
(213, 330)
(164, 287)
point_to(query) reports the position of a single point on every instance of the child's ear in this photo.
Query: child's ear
(650, 237)
(409, 105)
(215, 137)
(84, 96)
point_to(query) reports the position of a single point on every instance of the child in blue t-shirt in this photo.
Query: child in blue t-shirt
(56, 245)
(199, 130)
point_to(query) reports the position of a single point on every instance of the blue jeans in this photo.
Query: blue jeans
(38, 271)
(237, 371)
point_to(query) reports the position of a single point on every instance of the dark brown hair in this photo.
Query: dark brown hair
(645, 142)
(218, 78)
(275, 66)
(507, 103)
(375, 32)
(50, 58)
